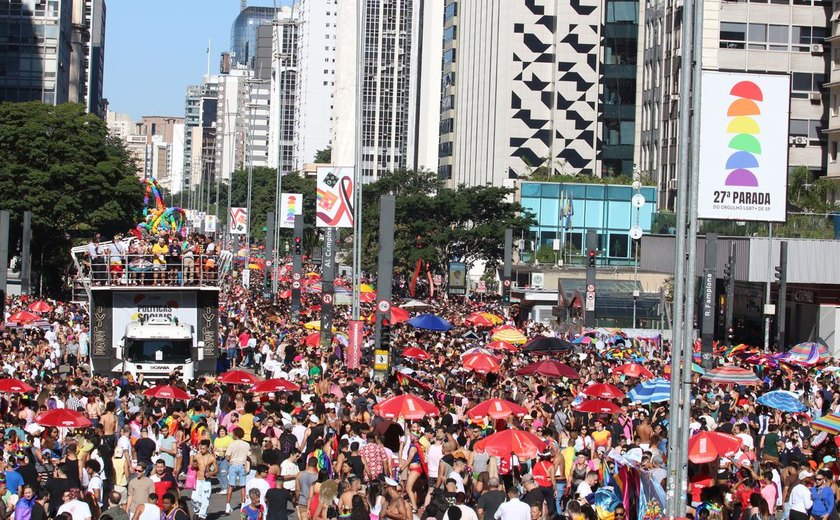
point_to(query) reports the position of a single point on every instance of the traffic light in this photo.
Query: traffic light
(591, 258)
(779, 274)
(727, 271)
(298, 246)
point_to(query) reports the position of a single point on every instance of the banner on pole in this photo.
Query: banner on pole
(291, 204)
(457, 283)
(209, 223)
(743, 163)
(334, 205)
(238, 221)
(353, 359)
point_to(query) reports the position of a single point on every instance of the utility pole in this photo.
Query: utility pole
(507, 267)
(729, 272)
(591, 254)
(781, 277)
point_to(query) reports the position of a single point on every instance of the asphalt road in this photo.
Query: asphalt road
(217, 505)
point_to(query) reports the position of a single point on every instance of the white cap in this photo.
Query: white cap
(391, 482)
(314, 419)
(805, 474)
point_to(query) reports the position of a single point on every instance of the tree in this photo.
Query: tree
(809, 193)
(324, 156)
(437, 225)
(59, 163)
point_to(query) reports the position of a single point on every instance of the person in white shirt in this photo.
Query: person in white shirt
(258, 482)
(800, 497)
(458, 467)
(76, 508)
(584, 489)
(513, 509)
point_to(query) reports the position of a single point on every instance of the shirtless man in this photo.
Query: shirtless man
(109, 424)
(345, 501)
(204, 463)
(644, 431)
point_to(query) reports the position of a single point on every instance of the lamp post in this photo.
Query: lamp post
(637, 201)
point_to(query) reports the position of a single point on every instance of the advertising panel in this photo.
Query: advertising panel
(743, 161)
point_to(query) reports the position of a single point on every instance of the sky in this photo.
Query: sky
(155, 48)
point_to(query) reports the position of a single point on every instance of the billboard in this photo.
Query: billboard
(457, 278)
(334, 206)
(209, 223)
(743, 159)
(291, 204)
(130, 305)
(238, 221)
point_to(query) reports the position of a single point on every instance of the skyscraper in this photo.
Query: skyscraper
(392, 72)
(243, 33)
(538, 85)
(783, 36)
(53, 51)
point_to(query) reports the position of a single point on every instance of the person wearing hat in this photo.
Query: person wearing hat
(394, 507)
(544, 476)
(822, 496)
(801, 500)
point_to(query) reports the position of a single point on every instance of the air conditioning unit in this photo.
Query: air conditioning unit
(675, 97)
(537, 280)
(816, 48)
(815, 96)
(672, 184)
(800, 140)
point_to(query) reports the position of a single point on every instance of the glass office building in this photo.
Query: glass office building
(565, 211)
(243, 33)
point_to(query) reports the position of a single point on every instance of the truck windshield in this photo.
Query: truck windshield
(158, 350)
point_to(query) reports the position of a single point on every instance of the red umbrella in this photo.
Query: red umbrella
(239, 377)
(285, 295)
(406, 406)
(14, 386)
(479, 320)
(416, 353)
(40, 306)
(62, 418)
(548, 368)
(709, 446)
(313, 340)
(399, 315)
(273, 385)
(481, 363)
(633, 370)
(502, 345)
(603, 391)
(23, 317)
(367, 297)
(598, 406)
(521, 443)
(167, 392)
(496, 409)
(501, 328)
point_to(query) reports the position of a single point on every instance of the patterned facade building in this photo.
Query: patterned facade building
(549, 85)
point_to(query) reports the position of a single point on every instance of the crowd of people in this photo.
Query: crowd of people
(322, 452)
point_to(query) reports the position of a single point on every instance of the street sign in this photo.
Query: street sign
(590, 302)
(327, 298)
(380, 360)
(507, 283)
(295, 285)
(590, 288)
(296, 276)
(384, 306)
(481, 287)
(636, 232)
(638, 200)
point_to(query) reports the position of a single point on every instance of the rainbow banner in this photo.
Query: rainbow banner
(291, 204)
(743, 146)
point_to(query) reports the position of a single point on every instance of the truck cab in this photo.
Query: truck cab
(158, 346)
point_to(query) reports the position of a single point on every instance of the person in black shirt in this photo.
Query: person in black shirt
(355, 461)
(70, 467)
(27, 470)
(533, 494)
(276, 502)
(57, 486)
(490, 500)
(145, 447)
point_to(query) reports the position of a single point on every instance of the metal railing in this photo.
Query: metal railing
(152, 270)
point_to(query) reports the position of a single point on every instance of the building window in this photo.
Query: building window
(450, 10)
(803, 83)
(449, 56)
(832, 156)
(810, 128)
(803, 37)
(449, 33)
(732, 35)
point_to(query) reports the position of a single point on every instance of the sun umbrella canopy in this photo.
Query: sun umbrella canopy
(312, 340)
(238, 377)
(548, 368)
(547, 345)
(827, 423)
(415, 305)
(782, 400)
(632, 370)
(167, 392)
(416, 353)
(40, 306)
(651, 391)
(23, 317)
(405, 406)
(496, 409)
(478, 319)
(603, 391)
(430, 322)
(509, 335)
(14, 386)
(481, 363)
(273, 385)
(599, 406)
(399, 315)
(523, 444)
(63, 418)
(367, 297)
(707, 447)
(502, 345)
(732, 375)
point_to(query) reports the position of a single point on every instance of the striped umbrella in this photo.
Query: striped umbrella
(731, 375)
(808, 353)
(782, 400)
(827, 423)
(501, 345)
(509, 336)
(652, 391)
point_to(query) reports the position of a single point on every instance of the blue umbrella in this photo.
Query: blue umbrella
(651, 391)
(782, 400)
(430, 322)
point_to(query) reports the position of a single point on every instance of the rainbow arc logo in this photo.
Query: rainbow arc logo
(745, 143)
